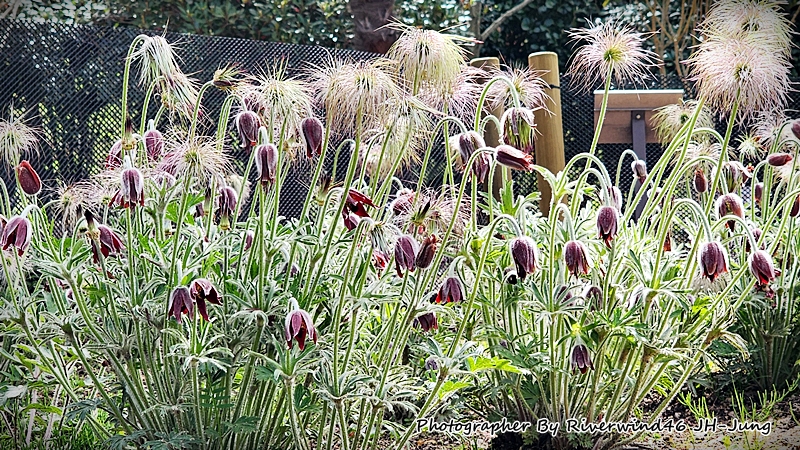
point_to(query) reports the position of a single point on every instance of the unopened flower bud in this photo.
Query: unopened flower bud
(758, 192)
(132, 191)
(639, 168)
(513, 158)
(426, 252)
(226, 203)
(154, 143)
(730, 204)
(762, 267)
(313, 132)
(28, 179)
(700, 181)
(796, 128)
(779, 159)
(575, 258)
(405, 254)
(713, 260)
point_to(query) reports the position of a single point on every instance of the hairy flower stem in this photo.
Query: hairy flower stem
(173, 276)
(126, 77)
(297, 432)
(146, 105)
(196, 110)
(723, 156)
(248, 372)
(602, 116)
(197, 407)
(482, 100)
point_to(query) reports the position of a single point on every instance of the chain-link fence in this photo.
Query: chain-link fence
(68, 79)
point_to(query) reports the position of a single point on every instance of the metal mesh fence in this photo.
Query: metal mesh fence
(68, 80)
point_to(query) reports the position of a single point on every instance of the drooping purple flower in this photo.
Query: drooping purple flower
(426, 252)
(758, 192)
(299, 325)
(513, 158)
(132, 190)
(451, 290)
(575, 258)
(523, 252)
(114, 158)
(779, 159)
(17, 233)
(607, 224)
(580, 358)
(700, 181)
(357, 203)
(154, 144)
(639, 168)
(248, 239)
(403, 201)
(426, 321)
(181, 303)
(247, 123)
(226, 204)
(313, 132)
(266, 163)
(713, 260)
(730, 204)
(203, 291)
(405, 254)
(762, 267)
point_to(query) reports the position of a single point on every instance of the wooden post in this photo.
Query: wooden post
(491, 134)
(550, 142)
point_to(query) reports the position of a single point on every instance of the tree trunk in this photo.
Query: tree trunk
(368, 18)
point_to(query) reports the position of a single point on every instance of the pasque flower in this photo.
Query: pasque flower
(154, 143)
(607, 224)
(758, 191)
(523, 252)
(762, 267)
(519, 129)
(203, 291)
(465, 145)
(513, 158)
(796, 128)
(226, 203)
(403, 201)
(426, 321)
(451, 290)
(699, 181)
(181, 303)
(405, 254)
(17, 233)
(426, 252)
(28, 179)
(313, 132)
(299, 326)
(103, 240)
(779, 159)
(355, 207)
(730, 204)
(266, 163)
(580, 358)
(713, 260)
(132, 191)
(612, 196)
(575, 258)
(639, 168)
(247, 123)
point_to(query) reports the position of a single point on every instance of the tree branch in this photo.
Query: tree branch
(496, 24)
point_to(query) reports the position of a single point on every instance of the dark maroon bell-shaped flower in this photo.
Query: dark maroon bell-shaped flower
(700, 182)
(313, 132)
(226, 203)
(299, 325)
(132, 191)
(593, 295)
(519, 129)
(403, 201)
(266, 163)
(357, 203)
(248, 239)
(758, 192)
(426, 321)
(779, 159)
(426, 252)
(114, 158)
(107, 244)
(466, 144)
(575, 258)
(796, 128)
(181, 303)
(247, 124)
(730, 204)
(28, 179)
(481, 166)
(451, 290)
(154, 144)
(523, 252)
(580, 358)
(639, 168)
(203, 291)
(795, 211)
(513, 158)
(713, 260)
(17, 233)
(405, 254)
(762, 267)
(607, 224)
(614, 197)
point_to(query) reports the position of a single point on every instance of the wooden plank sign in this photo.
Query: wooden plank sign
(617, 123)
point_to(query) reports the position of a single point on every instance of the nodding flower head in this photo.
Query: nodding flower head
(612, 196)
(465, 145)
(699, 181)
(796, 129)
(758, 192)
(730, 204)
(313, 133)
(132, 191)
(16, 233)
(405, 254)
(114, 158)
(154, 143)
(639, 168)
(203, 291)
(451, 291)
(736, 174)
(519, 129)
(481, 166)
(426, 252)
(298, 326)
(105, 242)
(267, 163)
(779, 159)
(29, 180)
(226, 203)
(575, 258)
(426, 321)
(513, 158)
(762, 267)
(607, 224)
(248, 239)
(403, 201)
(713, 260)
(181, 303)
(356, 202)
(247, 124)
(580, 358)
(523, 252)
(795, 211)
